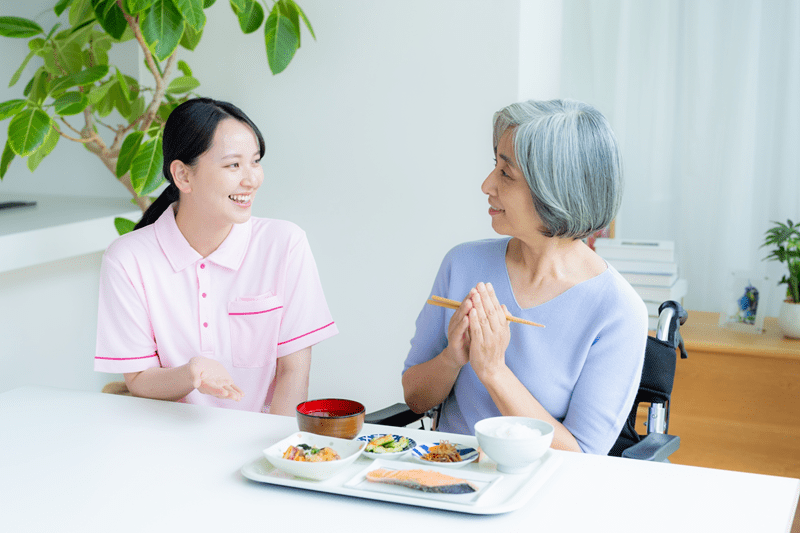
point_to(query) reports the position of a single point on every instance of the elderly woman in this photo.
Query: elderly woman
(557, 178)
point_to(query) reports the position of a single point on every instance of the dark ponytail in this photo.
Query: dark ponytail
(188, 133)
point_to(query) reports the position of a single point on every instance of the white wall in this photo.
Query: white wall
(378, 138)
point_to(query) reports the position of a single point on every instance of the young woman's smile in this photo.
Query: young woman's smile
(226, 177)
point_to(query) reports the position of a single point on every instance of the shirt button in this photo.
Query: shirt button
(204, 295)
(202, 265)
(205, 324)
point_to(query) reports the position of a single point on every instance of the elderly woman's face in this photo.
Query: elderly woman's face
(510, 201)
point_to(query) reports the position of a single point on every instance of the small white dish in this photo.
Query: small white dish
(467, 454)
(348, 450)
(387, 455)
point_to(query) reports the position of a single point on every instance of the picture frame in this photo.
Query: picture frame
(745, 301)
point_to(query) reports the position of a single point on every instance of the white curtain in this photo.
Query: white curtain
(704, 96)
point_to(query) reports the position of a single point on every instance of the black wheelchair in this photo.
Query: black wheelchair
(655, 389)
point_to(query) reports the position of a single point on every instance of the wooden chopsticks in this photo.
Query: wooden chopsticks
(453, 304)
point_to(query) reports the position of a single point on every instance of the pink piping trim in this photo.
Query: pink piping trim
(305, 334)
(256, 312)
(126, 358)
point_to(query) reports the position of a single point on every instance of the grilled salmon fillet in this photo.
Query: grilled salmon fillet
(424, 480)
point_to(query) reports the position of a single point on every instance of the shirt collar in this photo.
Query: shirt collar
(180, 254)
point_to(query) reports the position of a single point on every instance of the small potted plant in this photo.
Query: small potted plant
(784, 241)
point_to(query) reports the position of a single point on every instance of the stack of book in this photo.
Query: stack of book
(650, 267)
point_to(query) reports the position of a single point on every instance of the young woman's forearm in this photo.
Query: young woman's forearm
(161, 383)
(428, 384)
(291, 382)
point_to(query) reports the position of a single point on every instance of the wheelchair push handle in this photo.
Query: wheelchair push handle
(671, 316)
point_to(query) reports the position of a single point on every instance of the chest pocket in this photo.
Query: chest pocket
(255, 322)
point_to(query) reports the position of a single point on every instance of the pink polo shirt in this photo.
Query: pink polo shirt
(254, 299)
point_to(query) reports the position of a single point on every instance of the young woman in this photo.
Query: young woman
(203, 303)
(557, 179)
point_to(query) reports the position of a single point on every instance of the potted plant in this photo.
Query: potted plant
(784, 241)
(75, 81)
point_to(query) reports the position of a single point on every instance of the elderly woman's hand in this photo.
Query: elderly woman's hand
(458, 333)
(489, 332)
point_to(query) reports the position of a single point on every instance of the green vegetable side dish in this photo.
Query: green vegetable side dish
(387, 444)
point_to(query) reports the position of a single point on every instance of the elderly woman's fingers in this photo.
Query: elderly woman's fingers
(489, 306)
(476, 327)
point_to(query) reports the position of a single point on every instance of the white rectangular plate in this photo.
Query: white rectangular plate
(498, 492)
(480, 480)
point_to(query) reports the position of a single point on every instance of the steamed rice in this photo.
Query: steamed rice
(515, 430)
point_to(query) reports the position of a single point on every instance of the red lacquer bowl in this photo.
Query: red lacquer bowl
(333, 417)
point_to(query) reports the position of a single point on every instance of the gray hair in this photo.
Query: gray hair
(571, 161)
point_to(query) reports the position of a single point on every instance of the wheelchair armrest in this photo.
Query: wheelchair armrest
(397, 415)
(655, 447)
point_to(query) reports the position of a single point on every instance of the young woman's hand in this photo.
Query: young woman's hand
(458, 333)
(210, 377)
(488, 331)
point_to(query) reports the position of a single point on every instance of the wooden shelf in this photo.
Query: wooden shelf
(735, 400)
(58, 227)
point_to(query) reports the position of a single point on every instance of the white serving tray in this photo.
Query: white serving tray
(498, 492)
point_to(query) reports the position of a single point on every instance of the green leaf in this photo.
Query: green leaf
(80, 11)
(110, 17)
(105, 105)
(239, 5)
(192, 11)
(18, 27)
(27, 130)
(18, 73)
(146, 173)
(98, 53)
(49, 143)
(29, 87)
(208, 3)
(70, 103)
(124, 225)
(123, 85)
(84, 77)
(288, 10)
(63, 55)
(184, 84)
(8, 156)
(128, 150)
(281, 39)
(135, 6)
(39, 89)
(296, 8)
(191, 38)
(52, 31)
(184, 68)
(9, 108)
(122, 104)
(162, 28)
(137, 109)
(251, 17)
(61, 6)
(96, 94)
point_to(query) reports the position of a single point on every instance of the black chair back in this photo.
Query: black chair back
(658, 376)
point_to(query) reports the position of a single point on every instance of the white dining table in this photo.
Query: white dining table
(84, 461)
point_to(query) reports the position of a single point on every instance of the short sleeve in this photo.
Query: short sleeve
(430, 335)
(606, 388)
(125, 339)
(306, 317)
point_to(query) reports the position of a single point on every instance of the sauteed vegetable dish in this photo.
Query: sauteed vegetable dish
(304, 452)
